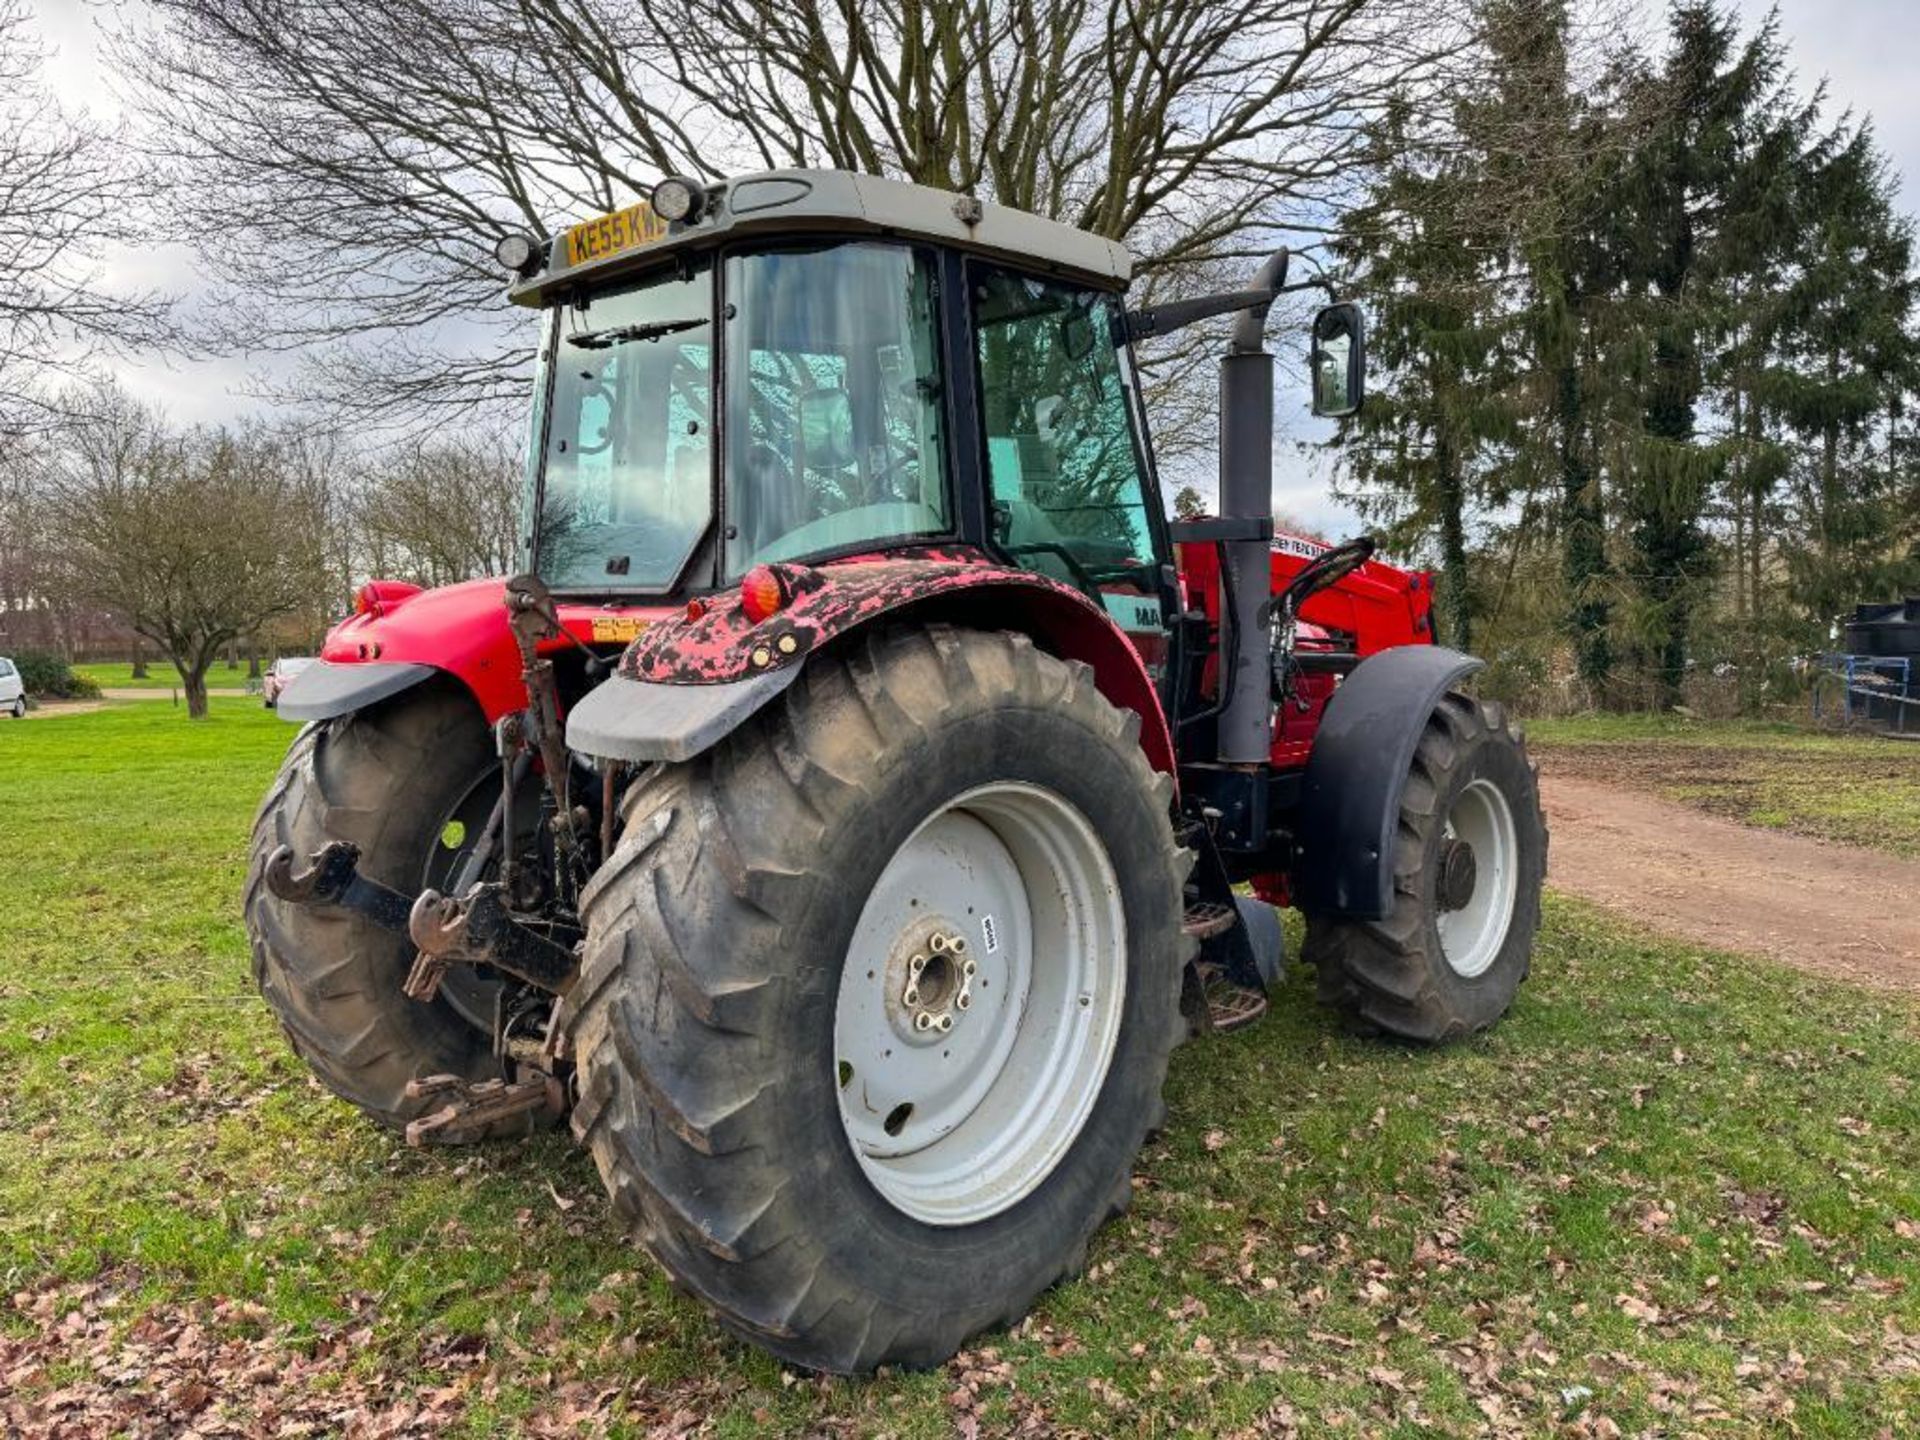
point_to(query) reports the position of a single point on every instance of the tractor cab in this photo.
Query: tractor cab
(809, 366)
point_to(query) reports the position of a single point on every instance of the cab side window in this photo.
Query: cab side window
(1068, 498)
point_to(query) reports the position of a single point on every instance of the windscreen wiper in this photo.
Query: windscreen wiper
(620, 334)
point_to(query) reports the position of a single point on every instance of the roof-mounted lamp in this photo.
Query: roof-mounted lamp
(679, 198)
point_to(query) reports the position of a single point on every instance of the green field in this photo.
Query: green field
(1851, 787)
(1676, 1193)
(161, 675)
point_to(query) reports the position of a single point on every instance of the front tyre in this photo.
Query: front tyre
(1469, 863)
(878, 997)
(386, 779)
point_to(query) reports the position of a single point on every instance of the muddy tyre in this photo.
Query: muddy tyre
(385, 779)
(851, 1158)
(1469, 862)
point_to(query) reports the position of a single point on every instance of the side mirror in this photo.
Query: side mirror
(826, 429)
(1339, 361)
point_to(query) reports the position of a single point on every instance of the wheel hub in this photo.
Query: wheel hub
(929, 980)
(1459, 872)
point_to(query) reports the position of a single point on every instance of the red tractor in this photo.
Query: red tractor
(866, 788)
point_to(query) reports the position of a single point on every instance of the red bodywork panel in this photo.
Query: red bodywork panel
(1375, 608)
(462, 629)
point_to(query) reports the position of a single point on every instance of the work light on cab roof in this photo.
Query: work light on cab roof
(519, 253)
(866, 786)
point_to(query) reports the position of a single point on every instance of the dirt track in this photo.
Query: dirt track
(1831, 909)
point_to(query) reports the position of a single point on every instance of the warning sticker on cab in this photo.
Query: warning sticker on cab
(617, 628)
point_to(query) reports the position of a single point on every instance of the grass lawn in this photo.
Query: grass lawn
(1676, 1193)
(1855, 788)
(161, 675)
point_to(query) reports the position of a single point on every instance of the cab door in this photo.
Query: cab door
(1070, 494)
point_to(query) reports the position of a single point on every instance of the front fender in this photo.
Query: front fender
(326, 690)
(689, 681)
(1356, 772)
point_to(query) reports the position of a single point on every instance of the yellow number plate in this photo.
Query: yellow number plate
(621, 628)
(606, 235)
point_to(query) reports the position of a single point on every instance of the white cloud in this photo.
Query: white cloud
(1864, 50)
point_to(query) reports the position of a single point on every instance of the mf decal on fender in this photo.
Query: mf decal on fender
(1134, 612)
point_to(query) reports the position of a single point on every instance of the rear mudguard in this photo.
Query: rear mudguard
(1350, 794)
(689, 681)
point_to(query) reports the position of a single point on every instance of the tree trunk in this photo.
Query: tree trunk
(193, 666)
(194, 683)
(1737, 467)
(139, 661)
(1584, 552)
(1756, 532)
(1453, 546)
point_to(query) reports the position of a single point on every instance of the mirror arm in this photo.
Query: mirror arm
(1251, 304)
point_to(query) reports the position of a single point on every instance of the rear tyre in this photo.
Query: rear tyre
(384, 779)
(1469, 863)
(20, 707)
(854, 1159)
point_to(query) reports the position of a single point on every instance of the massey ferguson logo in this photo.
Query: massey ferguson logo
(1294, 545)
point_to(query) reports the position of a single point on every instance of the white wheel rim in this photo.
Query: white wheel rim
(957, 1116)
(1471, 935)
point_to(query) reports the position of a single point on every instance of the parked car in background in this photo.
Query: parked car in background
(13, 690)
(279, 675)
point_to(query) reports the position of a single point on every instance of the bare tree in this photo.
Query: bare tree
(24, 615)
(66, 190)
(441, 512)
(349, 166)
(196, 539)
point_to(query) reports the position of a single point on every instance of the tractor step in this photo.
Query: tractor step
(1230, 1006)
(1205, 921)
(473, 1106)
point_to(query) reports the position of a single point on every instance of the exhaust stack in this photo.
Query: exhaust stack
(1246, 493)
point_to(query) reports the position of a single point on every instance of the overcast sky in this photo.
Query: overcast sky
(1864, 49)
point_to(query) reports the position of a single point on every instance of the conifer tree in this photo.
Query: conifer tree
(1416, 457)
(1848, 336)
(1679, 243)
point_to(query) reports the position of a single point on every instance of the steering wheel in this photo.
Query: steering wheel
(1081, 575)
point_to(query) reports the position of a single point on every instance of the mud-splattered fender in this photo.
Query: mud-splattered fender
(690, 679)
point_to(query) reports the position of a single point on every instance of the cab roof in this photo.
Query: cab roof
(778, 203)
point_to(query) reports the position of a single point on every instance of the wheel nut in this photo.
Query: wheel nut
(917, 964)
(923, 1021)
(958, 944)
(962, 1001)
(913, 997)
(968, 968)
(945, 1023)
(938, 943)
